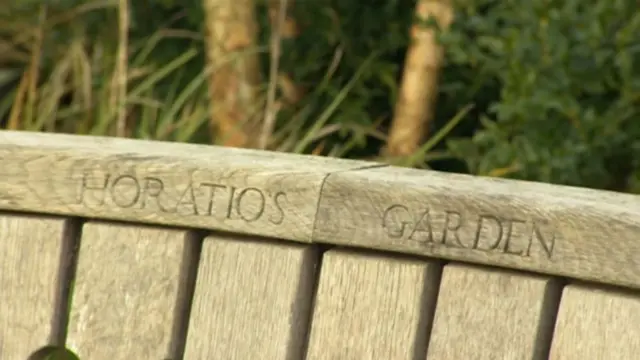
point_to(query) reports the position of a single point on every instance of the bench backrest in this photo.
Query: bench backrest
(127, 249)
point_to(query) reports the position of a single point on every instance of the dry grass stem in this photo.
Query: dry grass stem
(271, 111)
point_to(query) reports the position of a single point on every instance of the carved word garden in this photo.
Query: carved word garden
(480, 232)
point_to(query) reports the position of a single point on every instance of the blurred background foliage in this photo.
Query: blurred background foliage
(540, 90)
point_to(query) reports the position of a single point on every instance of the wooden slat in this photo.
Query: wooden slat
(251, 300)
(597, 324)
(539, 227)
(126, 290)
(208, 187)
(490, 314)
(30, 261)
(372, 307)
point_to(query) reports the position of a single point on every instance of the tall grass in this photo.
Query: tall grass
(75, 91)
(67, 77)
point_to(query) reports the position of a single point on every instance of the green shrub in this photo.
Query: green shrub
(567, 76)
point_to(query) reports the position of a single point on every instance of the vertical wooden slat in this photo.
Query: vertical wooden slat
(127, 286)
(372, 307)
(597, 324)
(492, 314)
(30, 261)
(251, 300)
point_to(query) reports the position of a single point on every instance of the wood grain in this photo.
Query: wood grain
(252, 300)
(490, 314)
(560, 230)
(597, 324)
(30, 260)
(127, 288)
(372, 307)
(209, 187)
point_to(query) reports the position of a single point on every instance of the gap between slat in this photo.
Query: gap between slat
(188, 276)
(318, 256)
(71, 236)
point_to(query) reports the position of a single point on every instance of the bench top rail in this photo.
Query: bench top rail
(558, 230)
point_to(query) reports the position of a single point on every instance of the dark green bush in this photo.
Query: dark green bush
(566, 79)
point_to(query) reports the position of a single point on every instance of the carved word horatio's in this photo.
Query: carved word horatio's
(483, 232)
(126, 191)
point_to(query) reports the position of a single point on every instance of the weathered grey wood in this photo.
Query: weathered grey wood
(491, 314)
(252, 300)
(253, 297)
(244, 191)
(597, 324)
(30, 260)
(372, 307)
(573, 232)
(127, 287)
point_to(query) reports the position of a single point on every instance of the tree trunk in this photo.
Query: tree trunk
(414, 110)
(233, 70)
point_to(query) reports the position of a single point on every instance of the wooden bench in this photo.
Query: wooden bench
(127, 249)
